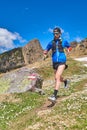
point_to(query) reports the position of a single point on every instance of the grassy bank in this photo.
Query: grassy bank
(25, 111)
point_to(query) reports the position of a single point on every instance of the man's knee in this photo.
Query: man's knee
(57, 77)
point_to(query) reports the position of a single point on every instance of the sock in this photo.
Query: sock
(55, 93)
(65, 82)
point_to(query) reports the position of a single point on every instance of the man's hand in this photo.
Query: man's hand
(45, 54)
(68, 50)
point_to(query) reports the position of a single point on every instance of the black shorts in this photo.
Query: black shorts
(57, 64)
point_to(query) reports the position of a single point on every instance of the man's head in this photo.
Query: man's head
(56, 32)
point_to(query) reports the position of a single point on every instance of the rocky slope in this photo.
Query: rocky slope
(33, 52)
(79, 48)
(19, 57)
(29, 111)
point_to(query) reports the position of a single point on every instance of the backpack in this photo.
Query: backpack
(58, 46)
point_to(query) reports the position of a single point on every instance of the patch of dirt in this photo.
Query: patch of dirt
(48, 106)
(9, 98)
(34, 127)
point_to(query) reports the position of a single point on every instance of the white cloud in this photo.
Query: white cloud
(18, 37)
(78, 39)
(66, 35)
(7, 39)
(62, 30)
(50, 30)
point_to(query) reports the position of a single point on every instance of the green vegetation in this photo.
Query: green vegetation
(74, 68)
(28, 111)
(4, 85)
(21, 104)
(46, 71)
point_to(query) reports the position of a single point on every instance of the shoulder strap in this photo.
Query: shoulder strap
(59, 46)
(53, 46)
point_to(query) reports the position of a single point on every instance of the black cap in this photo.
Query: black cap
(56, 30)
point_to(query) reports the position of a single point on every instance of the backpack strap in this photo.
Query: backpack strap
(57, 46)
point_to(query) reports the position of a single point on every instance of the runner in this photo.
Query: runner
(58, 60)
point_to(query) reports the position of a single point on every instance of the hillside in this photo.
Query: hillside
(79, 48)
(29, 111)
(33, 52)
(20, 57)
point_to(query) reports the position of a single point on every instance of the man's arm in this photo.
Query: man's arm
(45, 52)
(69, 49)
(68, 46)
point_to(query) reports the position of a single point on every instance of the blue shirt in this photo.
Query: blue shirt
(58, 56)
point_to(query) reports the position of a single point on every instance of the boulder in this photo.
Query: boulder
(19, 57)
(21, 80)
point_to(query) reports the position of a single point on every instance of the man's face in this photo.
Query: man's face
(56, 35)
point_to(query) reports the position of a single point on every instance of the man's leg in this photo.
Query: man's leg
(65, 81)
(58, 76)
(58, 81)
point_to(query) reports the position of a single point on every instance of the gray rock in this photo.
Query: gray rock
(22, 80)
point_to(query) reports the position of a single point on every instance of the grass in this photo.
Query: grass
(74, 68)
(73, 113)
(9, 111)
(4, 85)
(46, 72)
(24, 111)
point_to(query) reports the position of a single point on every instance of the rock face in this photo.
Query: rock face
(11, 60)
(19, 57)
(18, 81)
(79, 49)
(32, 52)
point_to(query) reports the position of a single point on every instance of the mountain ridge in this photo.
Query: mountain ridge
(33, 52)
(21, 56)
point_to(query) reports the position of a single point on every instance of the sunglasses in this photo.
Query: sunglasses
(56, 33)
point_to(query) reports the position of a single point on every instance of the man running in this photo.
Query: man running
(58, 60)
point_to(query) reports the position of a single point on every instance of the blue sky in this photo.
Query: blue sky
(24, 20)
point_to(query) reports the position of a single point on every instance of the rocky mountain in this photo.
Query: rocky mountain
(19, 57)
(33, 52)
(79, 48)
(21, 109)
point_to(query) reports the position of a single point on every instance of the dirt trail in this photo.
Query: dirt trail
(45, 110)
(48, 106)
